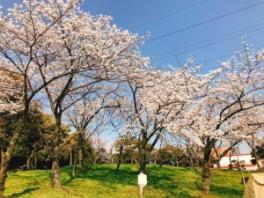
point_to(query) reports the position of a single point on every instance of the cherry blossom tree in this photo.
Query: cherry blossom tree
(26, 31)
(11, 104)
(11, 100)
(231, 108)
(60, 50)
(157, 98)
(90, 114)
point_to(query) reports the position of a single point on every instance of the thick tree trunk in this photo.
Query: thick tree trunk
(6, 155)
(55, 171)
(143, 161)
(206, 177)
(144, 152)
(5, 158)
(206, 169)
(55, 174)
(120, 156)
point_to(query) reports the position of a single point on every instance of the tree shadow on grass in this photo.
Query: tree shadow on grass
(108, 176)
(28, 190)
(68, 181)
(178, 182)
(223, 190)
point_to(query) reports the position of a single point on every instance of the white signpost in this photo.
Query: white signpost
(142, 182)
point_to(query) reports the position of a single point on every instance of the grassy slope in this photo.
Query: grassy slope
(103, 182)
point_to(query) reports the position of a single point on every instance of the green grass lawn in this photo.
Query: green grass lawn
(101, 181)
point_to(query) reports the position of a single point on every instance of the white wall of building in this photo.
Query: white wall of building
(244, 159)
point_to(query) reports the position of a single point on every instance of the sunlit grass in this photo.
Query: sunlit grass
(102, 182)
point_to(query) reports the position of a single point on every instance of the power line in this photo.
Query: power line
(210, 43)
(206, 21)
(222, 57)
(169, 14)
(162, 55)
(215, 59)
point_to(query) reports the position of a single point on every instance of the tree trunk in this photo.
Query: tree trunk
(230, 161)
(119, 161)
(74, 166)
(218, 158)
(35, 165)
(218, 164)
(258, 162)
(71, 159)
(206, 177)
(55, 174)
(144, 152)
(28, 163)
(143, 160)
(131, 158)
(254, 154)
(55, 171)
(191, 162)
(111, 155)
(206, 169)
(160, 153)
(29, 160)
(81, 163)
(5, 158)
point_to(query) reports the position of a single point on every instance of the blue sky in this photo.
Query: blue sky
(130, 14)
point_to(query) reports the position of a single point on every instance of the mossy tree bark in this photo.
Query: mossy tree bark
(3, 171)
(55, 171)
(206, 167)
(5, 159)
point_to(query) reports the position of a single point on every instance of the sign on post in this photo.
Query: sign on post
(142, 182)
